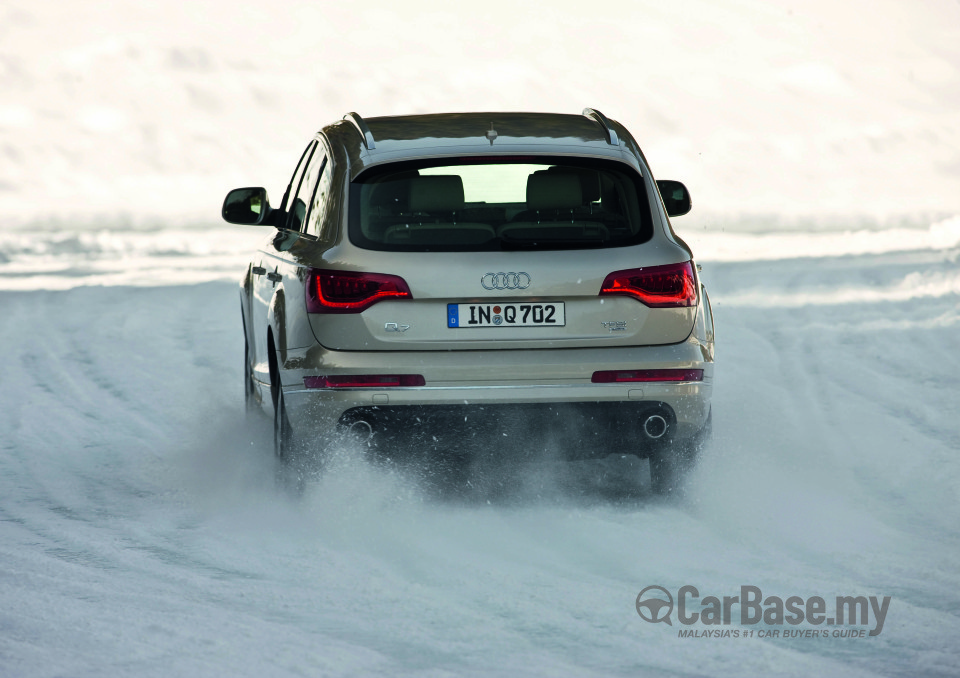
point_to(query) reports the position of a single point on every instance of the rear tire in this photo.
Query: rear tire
(671, 464)
(291, 472)
(283, 438)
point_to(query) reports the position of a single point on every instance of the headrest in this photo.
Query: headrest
(589, 180)
(553, 191)
(393, 190)
(436, 193)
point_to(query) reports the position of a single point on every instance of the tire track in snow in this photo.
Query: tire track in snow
(150, 533)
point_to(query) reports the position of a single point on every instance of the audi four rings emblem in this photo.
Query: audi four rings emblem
(505, 281)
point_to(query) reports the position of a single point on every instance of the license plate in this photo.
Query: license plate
(506, 315)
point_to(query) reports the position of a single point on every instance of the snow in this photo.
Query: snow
(142, 529)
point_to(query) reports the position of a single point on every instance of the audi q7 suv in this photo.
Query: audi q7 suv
(458, 274)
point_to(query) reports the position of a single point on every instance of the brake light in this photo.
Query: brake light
(670, 286)
(331, 291)
(364, 381)
(490, 159)
(614, 376)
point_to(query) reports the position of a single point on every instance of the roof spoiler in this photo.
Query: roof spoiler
(592, 113)
(363, 129)
(599, 117)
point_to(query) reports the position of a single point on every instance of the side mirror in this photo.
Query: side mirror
(676, 197)
(247, 206)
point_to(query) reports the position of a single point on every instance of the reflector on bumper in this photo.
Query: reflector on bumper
(612, 376)
(364, 381)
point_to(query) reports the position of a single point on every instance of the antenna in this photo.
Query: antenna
(491, 133)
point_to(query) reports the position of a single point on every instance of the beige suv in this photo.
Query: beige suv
(438, 281)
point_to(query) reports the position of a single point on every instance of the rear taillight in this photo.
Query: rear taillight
(331, 291)
(670, 286)
(364, 381)
(614, 376)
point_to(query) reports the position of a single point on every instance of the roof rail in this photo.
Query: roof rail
(597, 116)
(362, 128)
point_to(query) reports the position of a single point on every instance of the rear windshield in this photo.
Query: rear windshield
(485, 204)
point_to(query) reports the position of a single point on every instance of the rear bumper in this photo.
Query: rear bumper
(543, 383)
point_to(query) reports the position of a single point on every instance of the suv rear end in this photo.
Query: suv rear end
(485, 268)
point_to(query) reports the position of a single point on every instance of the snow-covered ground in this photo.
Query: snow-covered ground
(142, 531)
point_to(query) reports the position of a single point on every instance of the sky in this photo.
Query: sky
(766, 110)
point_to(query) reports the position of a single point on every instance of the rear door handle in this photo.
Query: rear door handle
(275, 277)
(258, 270)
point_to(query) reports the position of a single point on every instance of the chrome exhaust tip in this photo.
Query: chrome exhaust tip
(362, 431)
(655, 427)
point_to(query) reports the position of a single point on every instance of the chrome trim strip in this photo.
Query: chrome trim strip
(599, 117)
(361, 126)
